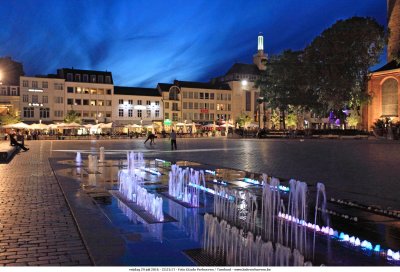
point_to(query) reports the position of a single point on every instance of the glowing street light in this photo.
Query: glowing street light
(244, 82)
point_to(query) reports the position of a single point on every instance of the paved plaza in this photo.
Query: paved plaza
(38, 228)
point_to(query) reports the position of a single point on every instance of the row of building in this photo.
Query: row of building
(95, 98)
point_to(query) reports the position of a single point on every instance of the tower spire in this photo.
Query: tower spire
(260, 58)
(260, 42)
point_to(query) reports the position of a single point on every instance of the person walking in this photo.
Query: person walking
(172, 136)
(151, 137)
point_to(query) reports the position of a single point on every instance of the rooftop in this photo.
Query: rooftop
(242, 68)
(122, 90)
(388, 66)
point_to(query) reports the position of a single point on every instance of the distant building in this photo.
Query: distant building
(383, 85)
(41, 99)
(10, 71)
(140, 106)
(89, 93)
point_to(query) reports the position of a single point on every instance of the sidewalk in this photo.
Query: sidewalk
(36, 225)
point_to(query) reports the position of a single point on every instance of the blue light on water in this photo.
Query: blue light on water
(210, 172)
(341, 236)
(159, 160)
(283, 188)
(154, 172)
(377, 248)
(252, 181)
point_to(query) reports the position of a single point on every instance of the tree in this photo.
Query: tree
(8, 119)
(338, 61)
(283, 83)
(243, 120)
(72, 117)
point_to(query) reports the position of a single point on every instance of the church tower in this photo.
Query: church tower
(393, 48)
(260, 57)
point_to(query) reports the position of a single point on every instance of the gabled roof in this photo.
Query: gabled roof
(388, 66)
(242, 68)
(122, 90)
(201, 85)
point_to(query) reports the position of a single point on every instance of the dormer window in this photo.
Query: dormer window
(77, 77)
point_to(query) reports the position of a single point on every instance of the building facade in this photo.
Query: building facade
(89, 93)
(383, 86)
(140, 106)
(41, 99)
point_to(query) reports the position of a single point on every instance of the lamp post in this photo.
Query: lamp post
(260, 100)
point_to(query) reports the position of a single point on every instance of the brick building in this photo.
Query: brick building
(383, 85)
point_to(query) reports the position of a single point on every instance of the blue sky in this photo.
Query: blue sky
(144, 42)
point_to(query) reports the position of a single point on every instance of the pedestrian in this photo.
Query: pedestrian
(172, 136)
(151, 137)
(14, 142)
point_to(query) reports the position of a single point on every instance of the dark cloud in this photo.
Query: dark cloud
(145, 42)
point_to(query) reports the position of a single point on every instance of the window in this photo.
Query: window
(69, 77)
(100, 79)
(130, 113)
(93, 78)
(175, 116)
(130, 101)
(248, 101)
(100, 102)
(35, 99)
(184, 105)
(121, 112)
(139, 113)
(100, 91)
(201, 95)
(175, 106)
(206, 96)
(120, 101)
(148, 113)
(148, 103)
(212, 96)
(109, 91)
(93, 91)
(108, 103)
(85, 114)
(70, 101)
(29, 112)
(167, 105)
(139, 102)
(58, 86)
(70, 89)
(196, 95)
(78, 77)
(45, 99)
(166, 115)
(85, 78)
(78, 90)
(108, 79)
(196, 105)
(185, 95)
(25, 98)
(86, 102)
(211, 106)
(93, 102)
(58, 113)
(157, 103)
(195, 116)
(108, 114)
(45, 84)
(78, 101)
(211, 116)
(25, 83)
(229, 97)
(201, 116)
(229, 107)
(190, 105)
(34, 84)
(85, 90)
(59, 100)
(220, 107)
(44, 112)
(390, 97)
(190, 94)
(157, 113)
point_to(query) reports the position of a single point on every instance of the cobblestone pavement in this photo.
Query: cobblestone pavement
(36, 226)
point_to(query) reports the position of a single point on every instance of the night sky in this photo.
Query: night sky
(145, 42)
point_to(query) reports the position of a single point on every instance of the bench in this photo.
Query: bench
(7, 151)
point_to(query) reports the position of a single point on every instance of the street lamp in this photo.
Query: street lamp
(260, 100)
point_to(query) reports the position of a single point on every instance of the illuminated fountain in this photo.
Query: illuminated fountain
(101, 156)
(134, 160)
(78, 158)
(130, 187)
(92, 163)
(238, 248)
(184, 185)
